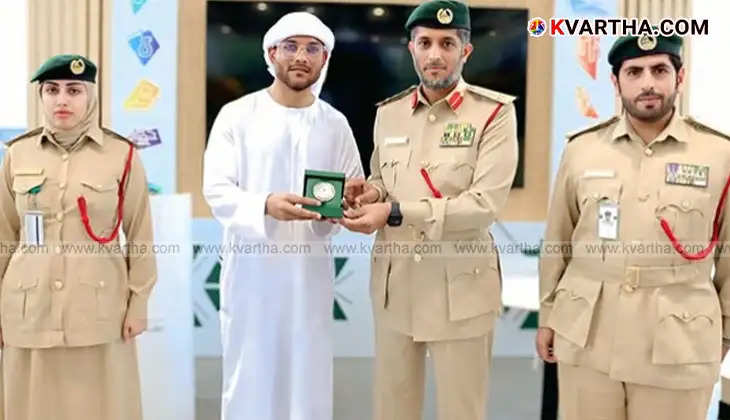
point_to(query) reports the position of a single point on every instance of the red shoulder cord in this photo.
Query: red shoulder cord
(715, 230)
(120, 205)
(424, 173)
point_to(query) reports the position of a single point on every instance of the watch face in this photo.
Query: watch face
(323, 191)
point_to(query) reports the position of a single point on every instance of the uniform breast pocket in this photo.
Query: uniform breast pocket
(393, 162)
(591, 194)
(31, 193)
(690, 327)
(688, 211)
(101, 202)
(452, 177)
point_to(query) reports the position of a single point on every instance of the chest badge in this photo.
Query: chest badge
(687, 174)
(458, 135)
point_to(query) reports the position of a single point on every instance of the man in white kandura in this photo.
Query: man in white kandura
(276, 311)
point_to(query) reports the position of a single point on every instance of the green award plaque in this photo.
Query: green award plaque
(326, 187)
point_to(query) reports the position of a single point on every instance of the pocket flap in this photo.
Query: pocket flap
(100, 186)
(688, 332)
(24, 183)
(600, 189)
(474, 288)
(573, 308)
(98, 284)
(686, 199)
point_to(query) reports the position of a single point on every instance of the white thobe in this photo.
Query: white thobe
(276, 310)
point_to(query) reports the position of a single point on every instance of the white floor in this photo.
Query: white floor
(514, 392)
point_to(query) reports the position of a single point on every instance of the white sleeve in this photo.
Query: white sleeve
(350, 164)
(241, 212)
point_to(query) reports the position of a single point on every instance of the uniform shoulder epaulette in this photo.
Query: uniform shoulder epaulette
(575, 134)
(704, 127)
(396, 96)
(116, 135)
(491, 94)
(25, 135)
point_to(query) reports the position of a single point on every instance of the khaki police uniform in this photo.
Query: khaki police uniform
(62, 305)
(638, 328)
(440, 301)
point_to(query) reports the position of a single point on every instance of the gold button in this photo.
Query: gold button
(476, 271)
(594, 195)
(62, 185)
(58, 284)
(59, 216)
(648, 152)
(58, 250)
(686, 204)
(432, 118)
(685, 316)
(64, 156)
(417, 258)
(629, 288)
(101, 283)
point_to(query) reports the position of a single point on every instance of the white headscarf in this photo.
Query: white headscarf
(300, 24)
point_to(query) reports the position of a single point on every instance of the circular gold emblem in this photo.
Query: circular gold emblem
(646, 42)
(78, 66)
(445, 16)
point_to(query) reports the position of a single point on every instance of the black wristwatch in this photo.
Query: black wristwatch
(395, 218)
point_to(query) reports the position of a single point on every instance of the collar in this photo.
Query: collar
(94, 134)
(676, 129)
(454, 98)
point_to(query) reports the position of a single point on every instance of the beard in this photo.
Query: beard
(442, 83)
(650, 115)
(284, 74)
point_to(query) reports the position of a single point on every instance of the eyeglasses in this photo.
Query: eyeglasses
(291, 49)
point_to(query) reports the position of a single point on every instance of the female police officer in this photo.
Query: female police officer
(72, 298)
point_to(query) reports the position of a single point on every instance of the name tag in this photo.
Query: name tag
(34, 228)
(389, 141)
(599, 174)
(608, 221)
(686, 174)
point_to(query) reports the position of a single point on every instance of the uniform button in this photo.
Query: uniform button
(58, 284)
(685, 316)
(101, 283)
(629, 288)
(59, 216)
(58, 250)
(64, 156)
(62, 185)
(594, 195)
(648, 152)
(432, 118)
(417, 258)
(477, 271)
(685, 204)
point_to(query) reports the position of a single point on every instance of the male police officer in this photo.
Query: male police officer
(444, 160)
(629, 309)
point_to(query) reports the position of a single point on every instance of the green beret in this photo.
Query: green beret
(628, 47)
(66, 67)
(440, 14)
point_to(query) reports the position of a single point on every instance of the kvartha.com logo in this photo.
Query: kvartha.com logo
(538, 27)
